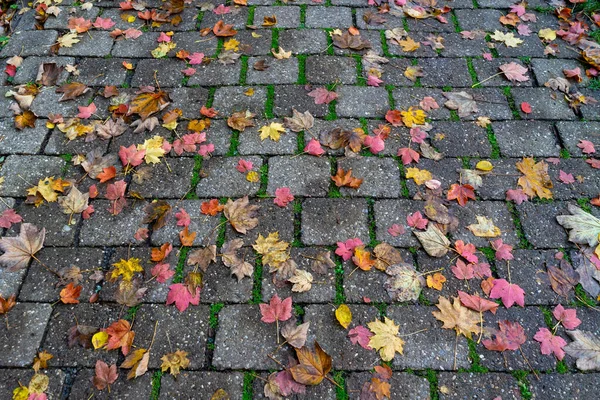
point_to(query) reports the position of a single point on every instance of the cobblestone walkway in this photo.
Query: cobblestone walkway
(225, 340)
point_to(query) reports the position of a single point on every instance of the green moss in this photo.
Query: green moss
(360, 79)
(475, 4)
(211, 96)
(544, 10)
(405, 25)
(372, 225)
(243, 69)
(131, 312)
(447, 89)
(250, 19)
(455, 22)
(154, 395)
(562, 367)
(334, 191)
(493, 142)
(332, 116)
(300, 142)
(594, 84)
(340, 296)
(257, 287)
(275, 38)
(523, 242)
(340, 391)
(264, 180)
(474, 357)
(298, 311)
(248, 391)
(302, 15)
(403, 182)
(301, 69)
(582, 299)
(390, 91)
(270, 101)
(472, 71)
(431, 376)
(198, 160)
(584, 203)
(384, 44)
(329, 42)
(548, 317)
(564, 153)
(521, 377)
(234, 143)
(454, 116)
(297, 207)
(511, 102)
(221, 235)
(213, 321)
(178, 278)
(424, 300)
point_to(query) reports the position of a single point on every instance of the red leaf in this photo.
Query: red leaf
(131, 155)
(466, 251)
(314, 148)
(375, 144)
(417, 221)
(568, 317)
(183, 218)
(105, 375)
(162, 272)
(346, 249)
(510, 293)
(461, 193)
(283, 196)
(9, 217)
(516, 195)
(394, 117)
(181, 296)
(276, 310)
(526, 107)
(408, 155)
(477, 303)
(462, 270)
(503, 250)
(510, 337)
(360, 335)
(322, 95)
(586, 147)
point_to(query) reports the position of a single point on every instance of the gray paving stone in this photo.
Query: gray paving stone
(202, 385)
(458, 46)
(561, 386)
(271, 218)
(327, 221)
(590, 111)
(526, 138)
(27, 323)
(491, 103)
(167, 72)
(410, 97)
(238, 18)
(29, 43)
(28, 70)
(17, 180)
(51, 217)
(572, 132)
(540, 226)
(40, 285)
(185, 331)
(330, 69)
(13, 377)
(434, 348)
(547, 69)
(358, 101)
(255, 46)
(223, 180)
(484, 386)
(46, 102)
(193, 42)
(101, 72)
(430, 25)
(92, 44)
(233, 99)
(422, 51)
(287, 16)
(243, 340)
(393, 73)
(105, 229)
(278, 72)
(188, 21)
(440, 72)
(5, 104)
(328, 17)
(123, 388)
(381, 176)
(303, 41)
(532, 46)
(169, 179)
(495, 210)
(461, 139)
(62, 20)
(203, 225)
(543, 104)
(365, 14)
(372, 36)
(504, 176)
(477, 19)
(304, 175)
(323, 287)
(219, 134)
(446, 170)
(26, 141)
(251, 143)
(189, 100)
(587, 180)
(288, 97)
(332, 337)
(390, 212)
(215, 74)
(403, 385)
(486, 69)
(136, 48)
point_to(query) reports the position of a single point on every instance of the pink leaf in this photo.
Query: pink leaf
(221, 9)
(553, 160)
(550, 344)
(276, 310)
(417, 135)
(132, 33)
(103, 23)
(196, 58)
(188, 71)
(488, 56)
(183, 218)
(162, 272)
(482, 270)
(568, 317)
(181, 296)
(510, 293)
(373, 80)
(510, 337)
(467, 251)
(141, 234)
(408, 155)
(586, 147)
(346, 249)
(287, 384)
(283, 196)
(374, 143)
(244, 166)
(163, 38)
(416, 220)
(396, 230)
(87, 213)
(516, 195)
(462, 270)
(9, 217)
(565, 178)
(477, 303)
(314, 148)
(131, 155)
(518, 9)
(322, 95)
(360, 335)
(526, 107)
(206, 149)
(514, 72)
(87, 111)
(428, 103)
(593, 162)
(523, 30)
(503, 250)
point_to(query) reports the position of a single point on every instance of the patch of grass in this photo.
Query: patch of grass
(131, 312)
(474, 357)
(198, 160)
(564, 153)
(301, 69)
(493, 142)
(488, 38)
(384, 45)
(248, 391)
(243, 69)
(525, 59)
(302, 15)
(582, 299)
(447, 89)
(475, 4)
(472, 71)
(332, 116)
(371, 221)
(511, 102)
(257, 286)
(381, 308)
(300, 142)
(222, 229)
(594, 84)
(360, 79)
(178, 278)
(488, 252)
(234, 143)
(431, 376)
(297, 207)
(334, 191)
(403, 183)
(390, 91)
(155, 393)
(341, 392)
(455, 22)
(544, 10)
(211, 96)
(561, 367)
(405, 25)
(275, 38)
(213, 321)
(521, 377)
(584, 203)
(298, 311)
(523, 242)
(454, 116)
(250, 19)
(329, 42)
(264, 180)
(548, 317)
(340, 297)
(424, 300)
(270, 101)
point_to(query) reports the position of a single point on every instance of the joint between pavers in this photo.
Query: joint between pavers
(258, 276)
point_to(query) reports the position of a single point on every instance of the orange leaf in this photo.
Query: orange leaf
(222, 30)
(394, 117)
(146, 104)
(107, 174)
(159, 254)
(187, 238)
(25, 120)
(70, 294)
(461, 193)
(211, 207)
(312, 367)
(362, 258)
(343, 178)
(120, 336)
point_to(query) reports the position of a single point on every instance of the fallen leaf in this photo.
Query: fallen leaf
(385, 338)
(294, 334)
(302, 281)
(276, 310)
(343, 315)
(435, 243)
(345, 178)
(484, 228)
(360, 335)
(312, 367)
(104, 375)
(181, 296)
(19, 250)
(70, 294)
(455, 316)
(583, 227)
(174, 362)
(510, 293)
(272, 131)
(586, 349)
(241, 120)
(535, 180)
(137, 363)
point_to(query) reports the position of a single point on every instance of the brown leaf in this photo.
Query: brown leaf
(563, 278)
(156, 214)
(72, 90)
(174, 362)
(41, 360)
(322, 262)
(146, 104)
(535, 180)
(105, 375)
(299, 121)
(260, 65)
(81, 335)
(48, 74)
(348, 41)
(345, 178)
(312, 367)
(338, 138)
(7, 304)
(137, 363)
(386, 256)
(203, 257)
(223, 30)
(238, 266)
(462, 102)
(186, 237)
(25, 120)
(294, 334)
(455, 316)
(19, 250)
(241, 120)
(241, 215)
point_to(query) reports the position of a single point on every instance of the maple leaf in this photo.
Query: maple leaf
(104, 375)
(435, 243)
(302, 281)
(282, 384)
(181, 296)
(416, 220)
(503, 250)
(375, 144)
(346, 249)
(211, 207)
(462, 270)
(386, 256)
(183, 218)
(156, 214)
(147, 124)
(394, 117)
(299, 121)
(241, 215)
(110, 128)
(186, 237)
(550, 344)
(19, 250)
(241, 120)
(350, 41)
(146, 104)
(159, 254)
(484, 227)
(510, 337)
(409, 44)
(272, 131)
(514, 72)
(585, 348)
(276, 310)
(586, 147)
(462, 102)
(72, 90)
(294, 334)
(7, 304)
(25, 120)
(338, 138)
(360, 335)
(345, 178)
(70, 294)
(68, 40)
(162, 272)
(223, 30)
(9, 217)
(455, 316)
(535, 180)
(461, 193)
(120, 336)
(566, 178)
(86, 111)
(203, 257)
(562, 279)
(510, 293)
(567, 317)
(103, 23)
(413, 117)
(75, 202)
(385, 338)
(314, 148)
(283, 196)
(396, 230)
(41, 360)
(137, 363)
(362, 258)
(477, 303)
(583, 227)
(312, 367)
(420, 176)
(238, 266)
(174, 362)
(408, 155)
(436, 281)
(115, 192)
(516, 195)
(126, 269)
(322, 95)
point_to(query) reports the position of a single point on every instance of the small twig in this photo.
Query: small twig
(487, 79)
(527, 361)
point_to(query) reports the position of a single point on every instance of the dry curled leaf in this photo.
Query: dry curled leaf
(241, 215)
(312, 367)
(19, 250)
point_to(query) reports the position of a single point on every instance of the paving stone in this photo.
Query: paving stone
(157, 292)
(188, 21)
(101, 72)
(28, 70)
(40, 285)
(202, 385)
(203, 225)
(410, 97)
(327, 221)
(193, 42)
(381, 176)
(540, 226)
(587, 181)
(323, 391)
(333, 338)
(287, 16)
(478, 386)
(92, 44)
(485, 69)
(221, 179)
(470, 20)
(440, 72)
(545, 70)
(323, 287)
(278, 72)
(543, 105)
(495, 210)
(526, 138)
(288, 97)
(185, 331)
(428, 346)
(532, 46)
(393, 73)
(572, 132)
(237, 17)
(328, 17)
(455, 45)
(51, 217)
(255, 46)
(531, 319)
(17, 180)
(27, 324)
(390, 212)
(429, 25)
(271, 218)
(590, 111)
(13, 378)
(358, 101)
(330, 69)
(491, 103)
(304, 175)
(251, 143)
(189, 100)
(322, 126)
(353, 3)
(373, 37)
(215, 74)
(403, 386)
(446, 170)
(167, 180)
(29, 43)
(123, 388)
(242, 340)
(461, 139)
(394, 48)
(303, 41)
(105, 229)
(26, 141)
(564, 386)
(232, 99)
(46, 102)
(503, 177)
(62, 20)
(5, 104)
(219, 134)
(167, 72)
(365, 14)
(136, 48)
(360, 285)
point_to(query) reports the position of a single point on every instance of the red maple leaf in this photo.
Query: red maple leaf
(510, 293)
(276, 310)
(550, 344)
(461, 193)
(181, 296)
(360, 335)
(477, 303)
(568, 317)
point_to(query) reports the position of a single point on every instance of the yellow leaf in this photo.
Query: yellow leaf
(49, 125)
(413, 117)
(252, 176)
(274, 251)
(21, 393)
(126, 269)
(484, 166)
(385, 338)
(163, 49)
(409, 44)
(153, 149)
(535, 180)
(272, 131)
(483, 122)
(249, 92)
(436, 281)
(420, 176)
(484, 227)
(547, 34)
(458, 317)
(344, 315)
(99, 340)
(131, 19)
(281, 54)
(256, 35)
(174, 362)
(231, 44)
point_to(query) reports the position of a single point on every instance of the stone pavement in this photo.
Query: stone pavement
(223, 335)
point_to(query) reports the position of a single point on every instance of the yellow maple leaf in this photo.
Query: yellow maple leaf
(68, 40)
(231, 44)
(153, 149)
(126, 269)
(252, 176)
(547, 34)
(413, 116)
(436, 281)
(272, 131)
(409, 44)
(385, 338)
(343, 315)
(458, 317)
(420, 176)
(48, 188)
(484, 227)
(174, 362)
(163, 49)
(274, 251)
(535, 180)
